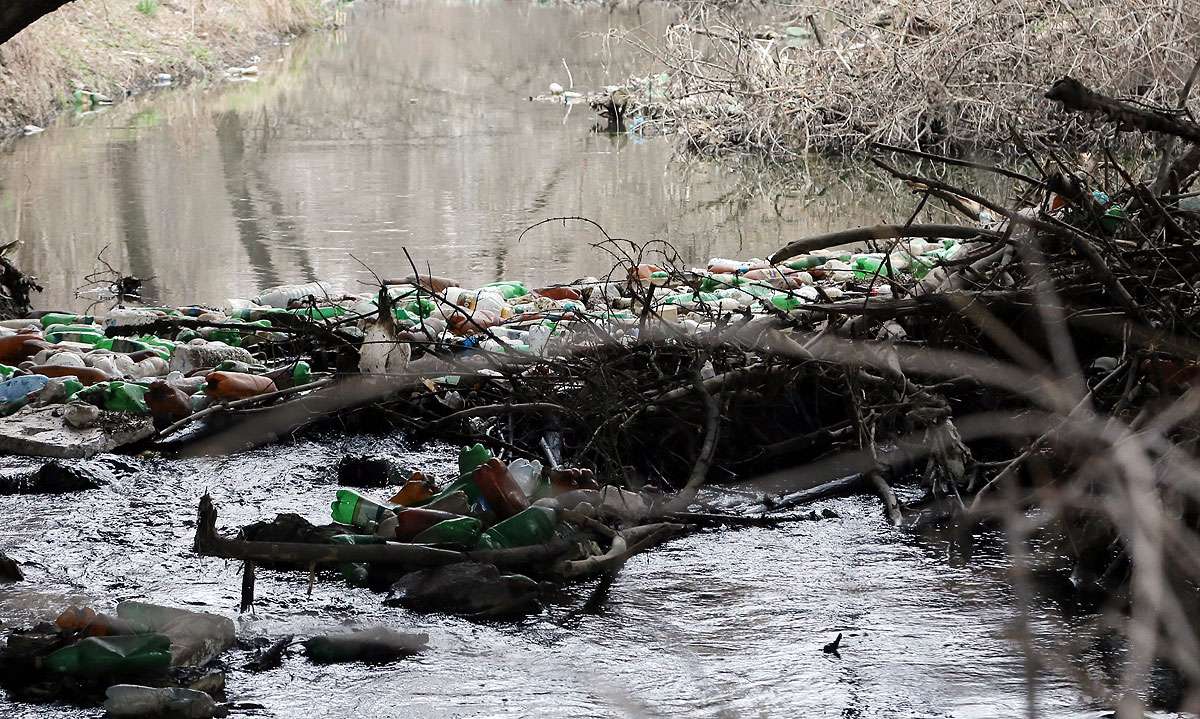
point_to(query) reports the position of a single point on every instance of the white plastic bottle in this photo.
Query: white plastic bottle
(280, 296)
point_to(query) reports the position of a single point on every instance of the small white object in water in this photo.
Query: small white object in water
(32, 130)
(556, 89)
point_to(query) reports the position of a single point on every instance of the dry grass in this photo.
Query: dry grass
(918, 73)
(116, 47)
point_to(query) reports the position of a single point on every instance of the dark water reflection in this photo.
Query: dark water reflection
(410, 127)
(727, 624)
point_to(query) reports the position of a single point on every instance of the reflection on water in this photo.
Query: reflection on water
(410, 127)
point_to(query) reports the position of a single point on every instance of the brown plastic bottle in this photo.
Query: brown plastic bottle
(560, 293)
(237, 385)
(167, 404)
(87, 375)
(566, 480)
(499, 489)
(642, 272)
(85, 620)
(416, 490)
(413, 520)
(17, 348)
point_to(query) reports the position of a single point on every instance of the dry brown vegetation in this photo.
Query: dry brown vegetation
(838, 74)
(115, 48)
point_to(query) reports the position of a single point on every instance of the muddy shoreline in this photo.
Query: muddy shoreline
(78, 59)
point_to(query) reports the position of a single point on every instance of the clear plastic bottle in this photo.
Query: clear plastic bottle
(132, 700)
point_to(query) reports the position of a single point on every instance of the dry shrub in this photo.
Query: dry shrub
(919, 73)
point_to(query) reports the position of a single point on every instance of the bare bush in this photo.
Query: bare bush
(786, 78)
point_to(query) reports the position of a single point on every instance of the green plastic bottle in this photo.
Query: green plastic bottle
(356, 572)
(255, 313)
(460, 532)
(1113, 218)
(72, 386)
(318, 313)
(420, 307)
(867, 266)
(356, 509)
(759, 290)
(507, 290)
(687, 298)
(806, 262)
(720, 282)
(532, 526)
(301, 373)
(786, 302)
(404, 317)
(115, 655)
(125, 397)
(233, 338)
(469, 459)
(158, 343)
(64, 318)
(87, 334)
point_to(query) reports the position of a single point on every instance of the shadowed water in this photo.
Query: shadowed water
(719, 624)
(411, 127)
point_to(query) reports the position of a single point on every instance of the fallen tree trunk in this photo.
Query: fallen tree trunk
(210, 544)
(880, 232)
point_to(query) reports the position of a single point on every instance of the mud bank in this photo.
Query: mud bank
(92, 50)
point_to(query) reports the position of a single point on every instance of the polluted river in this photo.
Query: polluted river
(412, 126)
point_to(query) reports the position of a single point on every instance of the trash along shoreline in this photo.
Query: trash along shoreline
(591, 414)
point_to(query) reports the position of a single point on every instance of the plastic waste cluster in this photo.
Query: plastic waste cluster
(147, 361)
(494, 507)
(112, 361)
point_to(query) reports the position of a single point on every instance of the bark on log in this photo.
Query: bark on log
(16, 15)
(1074, 95)
(880, 232)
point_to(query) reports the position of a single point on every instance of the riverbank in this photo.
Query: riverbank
(116, 49)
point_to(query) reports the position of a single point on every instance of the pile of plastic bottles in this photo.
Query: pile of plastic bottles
(60, 357)
(57, 357)
(489, 505)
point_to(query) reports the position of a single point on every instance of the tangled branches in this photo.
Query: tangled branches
(838, 75)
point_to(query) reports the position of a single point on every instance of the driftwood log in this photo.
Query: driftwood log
(549, 556)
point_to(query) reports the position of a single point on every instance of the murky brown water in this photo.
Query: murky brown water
(410, 128)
